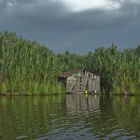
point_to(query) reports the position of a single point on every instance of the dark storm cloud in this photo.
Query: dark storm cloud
(52, 14)
(52, 22)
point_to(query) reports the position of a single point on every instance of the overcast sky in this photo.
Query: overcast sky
(75, 25)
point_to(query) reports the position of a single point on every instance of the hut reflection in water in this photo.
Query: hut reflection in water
(81, 104)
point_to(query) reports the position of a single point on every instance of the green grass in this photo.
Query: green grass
(27, 67)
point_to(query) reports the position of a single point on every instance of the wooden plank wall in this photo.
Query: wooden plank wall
(83, 81)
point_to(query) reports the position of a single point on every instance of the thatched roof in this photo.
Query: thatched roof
(69, 73)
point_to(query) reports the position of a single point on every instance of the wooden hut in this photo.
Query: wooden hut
(78, 81)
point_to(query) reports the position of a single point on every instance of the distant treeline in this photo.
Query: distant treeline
(27, 67)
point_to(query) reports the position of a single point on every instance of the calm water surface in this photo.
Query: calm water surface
(69, 117)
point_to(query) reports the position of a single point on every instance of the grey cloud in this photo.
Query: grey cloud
(46, 20)
(55, 15)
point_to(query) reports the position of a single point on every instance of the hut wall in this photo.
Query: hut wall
(78, 83)
(70, 86)
(98, 83)
(90, 85)
(83, 81)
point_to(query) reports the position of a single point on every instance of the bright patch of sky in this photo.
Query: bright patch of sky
(82, 5)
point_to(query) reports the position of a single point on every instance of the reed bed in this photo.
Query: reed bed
(119, 70)
(27, 67)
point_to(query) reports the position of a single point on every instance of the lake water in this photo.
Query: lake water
(70, 117)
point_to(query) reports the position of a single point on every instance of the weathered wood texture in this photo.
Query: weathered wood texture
(81, 81)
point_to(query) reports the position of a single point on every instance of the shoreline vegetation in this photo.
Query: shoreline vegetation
(27, 67)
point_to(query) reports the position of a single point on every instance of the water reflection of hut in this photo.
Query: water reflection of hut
(82, 104)
(78, 80)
